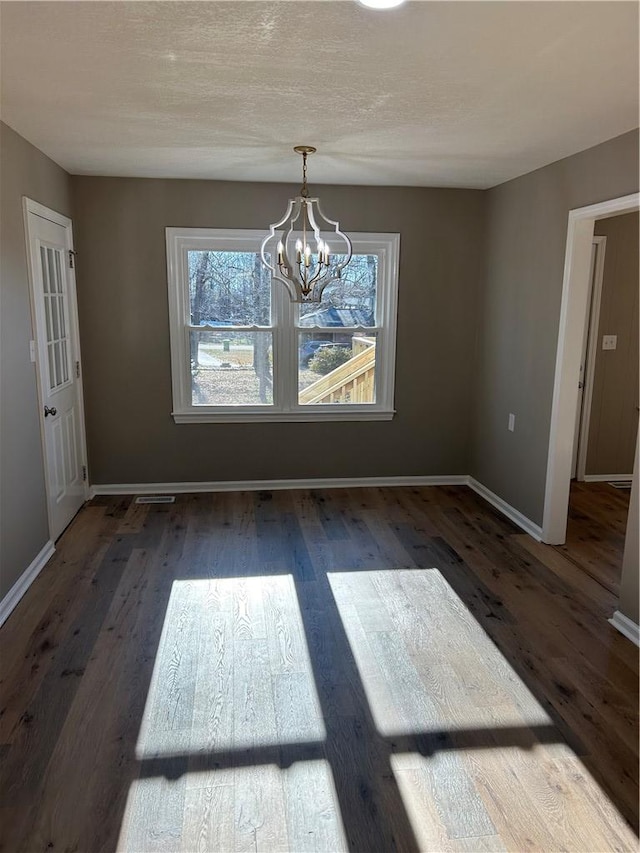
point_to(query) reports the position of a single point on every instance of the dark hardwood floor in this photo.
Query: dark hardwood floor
(355, 669)
(596, 530)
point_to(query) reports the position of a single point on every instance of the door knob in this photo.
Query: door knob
(50, 411)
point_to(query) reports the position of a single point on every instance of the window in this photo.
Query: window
(242, 351)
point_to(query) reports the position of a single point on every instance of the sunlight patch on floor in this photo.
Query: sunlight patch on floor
(424, 660)
(249, 808)
(484, 781)
(232, 671)
(231, 745)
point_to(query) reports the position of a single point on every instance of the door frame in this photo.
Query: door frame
(573, 313)
(593, 321)
(29, 206)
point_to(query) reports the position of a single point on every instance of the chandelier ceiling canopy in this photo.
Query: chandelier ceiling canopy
(381, 4)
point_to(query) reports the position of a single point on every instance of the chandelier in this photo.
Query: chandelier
(286, 250)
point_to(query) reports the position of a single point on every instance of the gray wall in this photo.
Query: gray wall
(23, 513)
(519, 313)
(614, 406)
(122, 294)
(443, 304)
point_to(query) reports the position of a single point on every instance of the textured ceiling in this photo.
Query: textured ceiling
(430, 94)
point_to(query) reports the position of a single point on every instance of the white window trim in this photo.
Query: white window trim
(181, 240)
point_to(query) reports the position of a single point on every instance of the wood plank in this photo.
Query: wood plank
(314, 823)
(213, 711)
(453, 791)
(285, 634)
(259, 809)
(208, 819)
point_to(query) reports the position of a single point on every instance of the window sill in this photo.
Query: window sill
(209, 417)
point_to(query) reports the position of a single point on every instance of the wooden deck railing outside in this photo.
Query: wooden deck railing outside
(352, 382)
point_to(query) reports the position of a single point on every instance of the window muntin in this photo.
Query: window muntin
(241, 350)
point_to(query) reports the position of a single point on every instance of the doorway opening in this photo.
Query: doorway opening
(573, 317)
(607, 410)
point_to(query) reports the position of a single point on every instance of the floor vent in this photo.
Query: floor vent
(155, 499)
(620, 484)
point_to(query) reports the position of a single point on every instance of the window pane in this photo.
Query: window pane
(65, 362)
(52, 376)
(63, 326)
(58, 272)
(336, 368)
(45, 269)
(231, 368)
(52, 275)
(229, 288)
(54, 312)
(47, 309)
(58, 362)
(351, 301)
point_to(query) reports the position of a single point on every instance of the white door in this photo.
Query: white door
(57, 353)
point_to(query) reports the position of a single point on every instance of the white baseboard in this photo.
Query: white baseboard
(607, 478)
(272, 485)
(626, 626)
(25, 580)
(322, 483)
(512, 514)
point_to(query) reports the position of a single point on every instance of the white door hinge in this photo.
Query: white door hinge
(72, 254)
(84, 473)
(78, 369)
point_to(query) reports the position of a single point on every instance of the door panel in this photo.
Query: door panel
(54, 309)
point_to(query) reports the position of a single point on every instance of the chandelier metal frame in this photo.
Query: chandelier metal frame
(286, 252)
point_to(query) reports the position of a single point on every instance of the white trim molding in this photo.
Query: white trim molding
(573, 313)
(588, 357)
(353, 412)
(626, 626)
(506, 509)
(284, 330)
(606, 478)
(273, 485)
(31, 206)
(12, 598)
(534, 530)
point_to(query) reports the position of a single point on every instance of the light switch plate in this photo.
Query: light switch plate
(609, 341)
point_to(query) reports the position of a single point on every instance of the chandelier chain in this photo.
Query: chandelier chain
(304, 192)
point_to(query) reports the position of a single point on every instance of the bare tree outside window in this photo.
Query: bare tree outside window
(230, 289)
